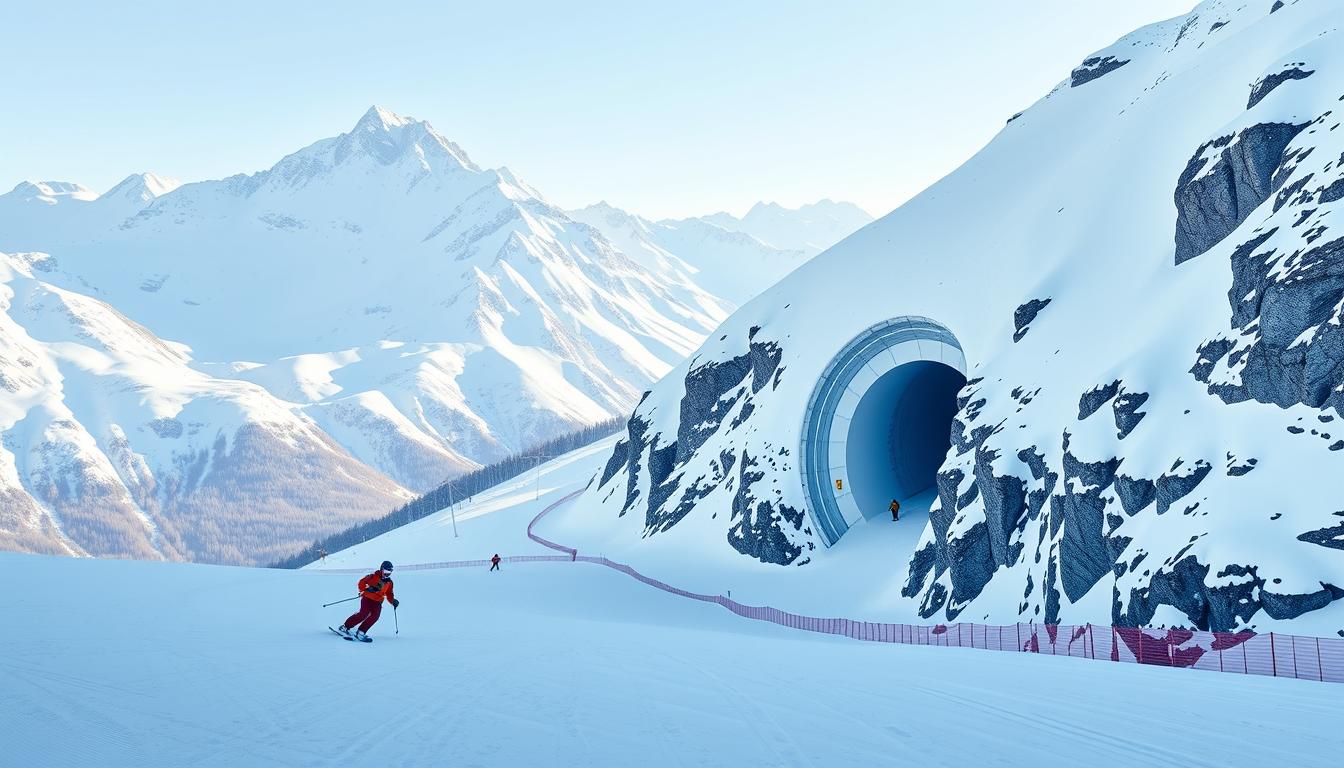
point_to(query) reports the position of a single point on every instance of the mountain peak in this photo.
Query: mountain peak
(389, 137)
(51, 192)
(143, 186)
(381, 119)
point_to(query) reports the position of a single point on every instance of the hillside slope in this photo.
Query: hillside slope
(1138, 282)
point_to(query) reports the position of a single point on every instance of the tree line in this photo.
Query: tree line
(453, 491)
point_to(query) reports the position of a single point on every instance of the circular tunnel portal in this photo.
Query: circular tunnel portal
(877, 426)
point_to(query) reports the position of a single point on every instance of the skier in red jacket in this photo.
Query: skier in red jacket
(494, 562)
(372, 589)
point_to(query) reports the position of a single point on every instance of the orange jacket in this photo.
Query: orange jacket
(375, 579)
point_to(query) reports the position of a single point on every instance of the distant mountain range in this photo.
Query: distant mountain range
(369, 316)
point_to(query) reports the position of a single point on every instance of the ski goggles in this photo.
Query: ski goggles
(387, 571)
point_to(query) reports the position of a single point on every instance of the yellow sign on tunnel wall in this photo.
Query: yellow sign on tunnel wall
(839, 485)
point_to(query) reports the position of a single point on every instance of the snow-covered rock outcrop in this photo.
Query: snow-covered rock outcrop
(1144, 275)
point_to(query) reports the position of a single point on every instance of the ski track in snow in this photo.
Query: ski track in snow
(545, 664)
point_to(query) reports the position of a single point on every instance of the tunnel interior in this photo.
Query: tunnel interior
(878, 424)
(900, 433)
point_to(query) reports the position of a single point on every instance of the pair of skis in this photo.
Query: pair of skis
(365, 639)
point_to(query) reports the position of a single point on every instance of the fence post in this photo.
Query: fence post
(1140, 645)
(1320, 671)
(1273, 657)
(1019, 636)
(1293, 639)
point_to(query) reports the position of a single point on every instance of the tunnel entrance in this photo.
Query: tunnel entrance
(877, 427)
(899, 434)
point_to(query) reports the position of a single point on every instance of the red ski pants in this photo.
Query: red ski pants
(368, 613)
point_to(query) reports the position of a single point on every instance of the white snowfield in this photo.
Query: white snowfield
(159, 664)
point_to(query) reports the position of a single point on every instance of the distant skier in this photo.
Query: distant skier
(372, 588)
(895, 510)
(494, 562)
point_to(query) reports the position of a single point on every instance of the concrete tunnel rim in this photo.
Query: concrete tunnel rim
(870, 355)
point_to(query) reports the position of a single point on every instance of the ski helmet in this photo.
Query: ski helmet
(387, 565)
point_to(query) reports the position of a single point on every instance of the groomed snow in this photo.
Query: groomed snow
(160, 664)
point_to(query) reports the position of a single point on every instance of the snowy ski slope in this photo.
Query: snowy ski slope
(169, 664)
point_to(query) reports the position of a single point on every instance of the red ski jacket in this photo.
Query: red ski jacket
(383, 588)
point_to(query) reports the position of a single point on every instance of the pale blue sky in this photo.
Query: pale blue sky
(677, 108)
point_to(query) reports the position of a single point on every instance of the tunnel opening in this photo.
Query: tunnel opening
(900, 434)
(878, 424)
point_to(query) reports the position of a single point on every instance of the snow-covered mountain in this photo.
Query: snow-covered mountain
(422, 313)
(33, 214)
(728, 263)
(1128, 312)
(810, 228)
(114, 445)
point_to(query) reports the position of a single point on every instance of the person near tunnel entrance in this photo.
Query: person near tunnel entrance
(895, 510)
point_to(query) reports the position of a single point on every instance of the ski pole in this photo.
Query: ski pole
(346, 600)
(394, 620)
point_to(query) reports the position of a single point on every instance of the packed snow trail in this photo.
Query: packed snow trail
(156, 664)
(114, 662)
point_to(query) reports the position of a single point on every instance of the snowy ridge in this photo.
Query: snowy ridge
(114, 445)
(810, 228)
(379, 288)
(726, 261)
(1121, 452)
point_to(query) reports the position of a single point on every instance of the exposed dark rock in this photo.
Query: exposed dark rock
(1287, 365)
(923, 561)
(662, 484)
(1126, 408)
(637, 430)
(1005, 507)
(1216, 192)
(619, 456)
(712, 391)
(1291, 606)
(1024, 315)
(1083, 554)
(1276, 6)
(1332, 537)
(756, 529)
(1173, 487)
(1182, 587)
(970, 562)
(1210, 352)
(1096, 397)
(1333, 192)
(1093, 68)
(1263, 87)
(1134, 493)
